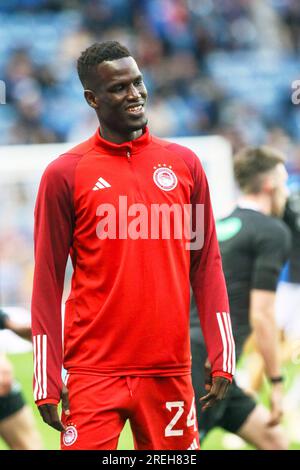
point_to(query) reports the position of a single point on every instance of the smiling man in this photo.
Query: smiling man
(126, 343)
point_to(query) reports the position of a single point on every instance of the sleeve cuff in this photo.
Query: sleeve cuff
(220, 373)
(47, 401)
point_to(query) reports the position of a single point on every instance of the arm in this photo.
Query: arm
(53, 234)
(6, 375)
(208, 284)
(24, 331)
(266, 336)
(271, 249)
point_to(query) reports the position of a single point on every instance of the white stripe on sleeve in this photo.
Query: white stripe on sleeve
(223, 336)
(36, 384)
(227, 332)
(44, 367)
(233, 344)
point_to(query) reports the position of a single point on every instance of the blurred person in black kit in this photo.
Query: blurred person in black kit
(288, 295)
(17, 426)
(254, 245)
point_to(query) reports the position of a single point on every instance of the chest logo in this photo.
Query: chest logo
(101, 184)
(165, 178)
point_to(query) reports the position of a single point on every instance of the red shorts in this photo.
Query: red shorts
(161, 412)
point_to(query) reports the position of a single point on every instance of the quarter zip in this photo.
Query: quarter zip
(128, 156)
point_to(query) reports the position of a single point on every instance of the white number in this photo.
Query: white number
(191, 419)
(169, 431)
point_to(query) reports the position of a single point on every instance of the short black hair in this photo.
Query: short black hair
(97, 53)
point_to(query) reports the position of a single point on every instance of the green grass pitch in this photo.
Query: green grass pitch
(23, 371)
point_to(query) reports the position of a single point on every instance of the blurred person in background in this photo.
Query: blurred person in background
(288, 295)
(17, 426)
(254, 244)
(288, 290)
(124, 317)
(183, 46)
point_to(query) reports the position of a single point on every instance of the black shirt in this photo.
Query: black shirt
(254, 248)
(292, 219)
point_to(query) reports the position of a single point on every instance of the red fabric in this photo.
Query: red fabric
(128, 310)
(47, 401)
(99, 407)
(219, 373)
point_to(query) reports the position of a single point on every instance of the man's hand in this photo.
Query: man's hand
(215, 386)
(276, 404)
(49, 412)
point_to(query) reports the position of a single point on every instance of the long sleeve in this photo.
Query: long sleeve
(54, 222)
(208, 283)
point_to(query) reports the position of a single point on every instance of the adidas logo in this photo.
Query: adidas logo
(101, 184)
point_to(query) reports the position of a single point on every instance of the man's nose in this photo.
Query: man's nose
(133, 92)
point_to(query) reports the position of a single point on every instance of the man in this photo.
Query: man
(254, 245)
(126, 331)
(17, 427)
(288, 295)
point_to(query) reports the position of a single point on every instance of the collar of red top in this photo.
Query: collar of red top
(132, 146)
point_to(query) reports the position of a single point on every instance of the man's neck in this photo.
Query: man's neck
(118, 138)
(257, 202)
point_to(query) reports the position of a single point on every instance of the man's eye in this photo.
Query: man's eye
(118, 88)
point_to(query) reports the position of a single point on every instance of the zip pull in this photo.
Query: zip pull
(128, 156)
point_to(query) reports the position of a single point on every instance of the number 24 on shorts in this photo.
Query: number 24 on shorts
(191, 418)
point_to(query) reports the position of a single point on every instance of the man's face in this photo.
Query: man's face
(120, 96)
(279, 193)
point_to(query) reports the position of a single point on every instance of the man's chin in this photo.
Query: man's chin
(138, 125)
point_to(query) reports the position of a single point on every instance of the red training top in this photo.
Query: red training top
(128, 310)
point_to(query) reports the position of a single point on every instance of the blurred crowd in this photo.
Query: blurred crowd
(211, 67)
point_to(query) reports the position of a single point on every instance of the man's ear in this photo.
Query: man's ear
(268, 183)
(91, 99)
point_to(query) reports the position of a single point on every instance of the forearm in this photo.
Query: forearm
(266, 337)
(24, 331)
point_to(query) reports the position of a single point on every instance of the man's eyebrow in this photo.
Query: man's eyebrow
(119, 81)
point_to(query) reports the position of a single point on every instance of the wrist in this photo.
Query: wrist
(276, 379)
(223, 374)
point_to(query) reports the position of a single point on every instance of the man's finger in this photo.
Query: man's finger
(55, 421)
(65, 400)
(209, 403)
(208, 400)
(50, 416)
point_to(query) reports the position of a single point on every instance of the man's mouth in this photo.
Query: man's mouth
(135, 109)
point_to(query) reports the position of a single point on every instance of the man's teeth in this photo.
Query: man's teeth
(135, 108)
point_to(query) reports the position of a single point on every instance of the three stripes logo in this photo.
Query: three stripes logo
(40, 366)
(228, 342)
(101, 184)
